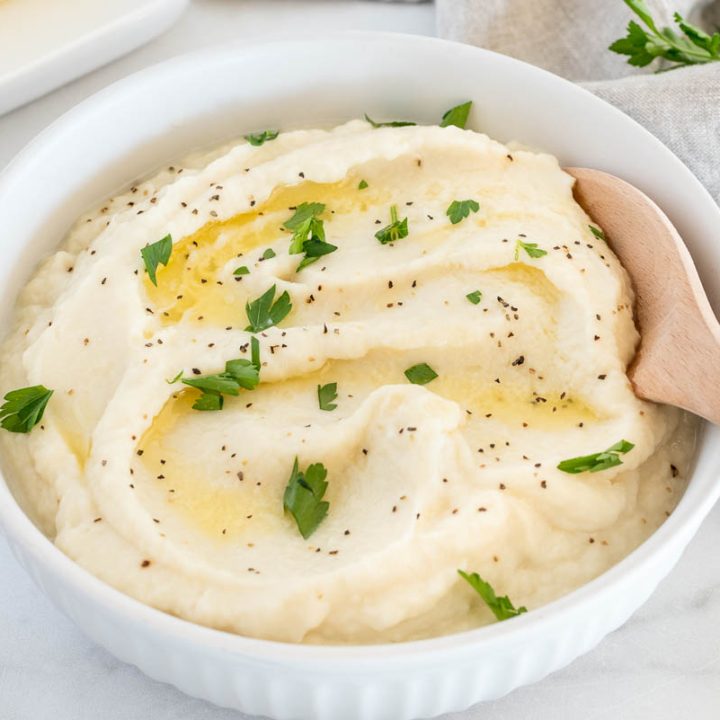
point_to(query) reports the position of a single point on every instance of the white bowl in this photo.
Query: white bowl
(158, 115)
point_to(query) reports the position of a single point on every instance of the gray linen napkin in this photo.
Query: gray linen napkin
(570, 38)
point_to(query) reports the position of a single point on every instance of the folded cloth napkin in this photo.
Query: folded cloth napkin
(571, 37)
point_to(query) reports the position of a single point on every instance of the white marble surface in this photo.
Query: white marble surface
(662, 665)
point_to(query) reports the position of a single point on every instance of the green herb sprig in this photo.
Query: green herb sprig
(643, 45)
(303, 497)
(327, 394)
(501, 607)
(392, 123)
(531, 249)
(157, 253)
(597, 232)
(420, 374)
(457, 115)
(597, 461)
(396, 230)
(261, 138)
(239, 374)
(23, 408)
(263, 313)
(458, 210)
(308, 234)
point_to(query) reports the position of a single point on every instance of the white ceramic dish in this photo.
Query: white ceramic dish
(157, 116)
(46, 43)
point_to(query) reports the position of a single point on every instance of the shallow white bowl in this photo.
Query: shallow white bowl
(155, 117)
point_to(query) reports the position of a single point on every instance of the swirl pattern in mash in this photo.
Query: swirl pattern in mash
(184, 509)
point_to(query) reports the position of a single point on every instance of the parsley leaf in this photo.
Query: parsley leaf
(239, 374)
(173, 380)
(501, 607)
(301, 223)
(269, 253)
(260, 138)
(209, 402)
(396, 230)
(308, 234)
(420, 374)
(242, 270)
(327, 394)
(314, 249)
(597, 232)
(457, 115)
(158, 253)
(394, 123)
(218, 384)
(263, 313)
(474, 297)
(362, 184)
(303, 497)
(23, 409)
(255, 352)
(460, 209)
(598, 461)
(531, 249)
(643, 45)
(244, 372)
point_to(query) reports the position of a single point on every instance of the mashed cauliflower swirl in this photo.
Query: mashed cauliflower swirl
(183, 509)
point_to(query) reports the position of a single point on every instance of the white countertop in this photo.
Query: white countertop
(664, 664)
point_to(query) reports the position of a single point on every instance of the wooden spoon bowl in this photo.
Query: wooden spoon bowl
(678, 360)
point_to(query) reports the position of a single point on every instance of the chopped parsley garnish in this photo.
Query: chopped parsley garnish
(362, 184)
(420, 374)
(157, 253)
(173, 380)
(327, 394)
(261, 138)
(393, 123)
(597, 232)
(531, 249)
(460, 209)
(501, 606)
(242, 270)
(239, 374)
(314, 249)
(598, 461)
(255, 352)
(396, 230)
(209, 402)
(305, 223)
(264, 313)
(474, 297)
(303, 497)
(457, 115)
(269, 253)
(23, 409)
(308, 234)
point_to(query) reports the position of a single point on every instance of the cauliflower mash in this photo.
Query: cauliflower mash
(300, 382)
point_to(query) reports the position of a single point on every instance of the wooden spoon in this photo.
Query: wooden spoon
(678, 361)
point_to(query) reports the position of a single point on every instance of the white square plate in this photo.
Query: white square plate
(46, 43)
